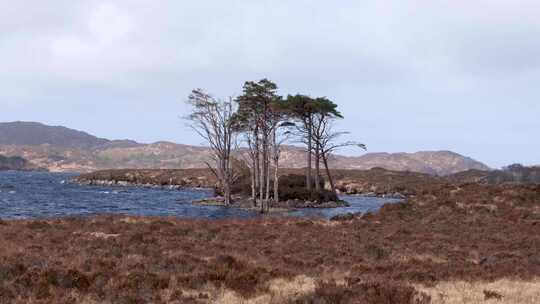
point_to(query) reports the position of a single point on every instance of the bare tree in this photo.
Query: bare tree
(327, 142)
(212, 120)
(278, 139)
(251, 158)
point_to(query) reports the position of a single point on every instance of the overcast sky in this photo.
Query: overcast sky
(411, 75)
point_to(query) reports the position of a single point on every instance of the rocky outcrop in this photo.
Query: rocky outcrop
(384, 183)
(191, 178)
(440, 163)
(243, 202)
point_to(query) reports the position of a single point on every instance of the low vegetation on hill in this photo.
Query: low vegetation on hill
(515, 174)
(67, 150)
(16, 163)
(450, 244)
(202, 178)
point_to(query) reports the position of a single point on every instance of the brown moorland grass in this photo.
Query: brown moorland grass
(432, 248)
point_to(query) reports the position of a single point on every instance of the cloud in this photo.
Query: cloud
(445, 63)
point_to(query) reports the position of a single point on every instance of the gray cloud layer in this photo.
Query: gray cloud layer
(409, 75)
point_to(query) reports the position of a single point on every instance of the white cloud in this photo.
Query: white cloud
(392, 57)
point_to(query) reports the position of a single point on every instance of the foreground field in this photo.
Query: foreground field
(467, 244)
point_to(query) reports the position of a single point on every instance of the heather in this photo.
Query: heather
(469, 233)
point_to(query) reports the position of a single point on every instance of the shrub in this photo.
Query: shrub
(490, 294)
(235, 275)
(74, 279)
(292, 187)
(38, 225)
(10, 271)
(6, 295)
(363, 292)
(375, 252)
(390, 293)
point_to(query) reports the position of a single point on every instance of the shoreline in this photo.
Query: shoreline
(244, 203)
(239, 202)
(122, 183)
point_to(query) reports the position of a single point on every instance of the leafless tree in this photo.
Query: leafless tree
(327, 142)
(278, 139)
(212, 120)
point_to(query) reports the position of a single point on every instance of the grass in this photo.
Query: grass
(501, 292)
(442, 246)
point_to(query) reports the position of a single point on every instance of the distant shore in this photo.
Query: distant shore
(375, 182)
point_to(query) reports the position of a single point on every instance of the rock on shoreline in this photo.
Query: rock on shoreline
(174, 179)
(246, 203)
(112, 183)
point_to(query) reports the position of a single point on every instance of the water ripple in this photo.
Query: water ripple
(40, 194)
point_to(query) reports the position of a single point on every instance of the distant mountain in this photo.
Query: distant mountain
(35, 134)
(63, 149)
(431, 162)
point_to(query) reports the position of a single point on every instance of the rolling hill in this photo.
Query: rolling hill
(61, 149)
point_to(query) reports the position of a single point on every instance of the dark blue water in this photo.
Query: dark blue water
(42, 195)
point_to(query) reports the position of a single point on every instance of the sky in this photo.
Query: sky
(409, 75)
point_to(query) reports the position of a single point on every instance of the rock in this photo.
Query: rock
(101, 235)
(398, 195)
(488, 261)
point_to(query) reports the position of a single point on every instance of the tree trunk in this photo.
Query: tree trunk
(228, 198)
(257, 166)
(317, 170)
(276, 183)
(223, 173)
(253, 185)
(330, 179)
(276, 168)
(267, 176)
(227, 193)
(252, 172)
(261, 178)
(309, 149)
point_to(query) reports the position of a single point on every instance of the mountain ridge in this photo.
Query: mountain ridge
(58, 148)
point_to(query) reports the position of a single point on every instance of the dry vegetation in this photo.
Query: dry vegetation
(158, 177)
(468, 244)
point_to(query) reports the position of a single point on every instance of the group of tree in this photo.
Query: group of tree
(263, 120)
